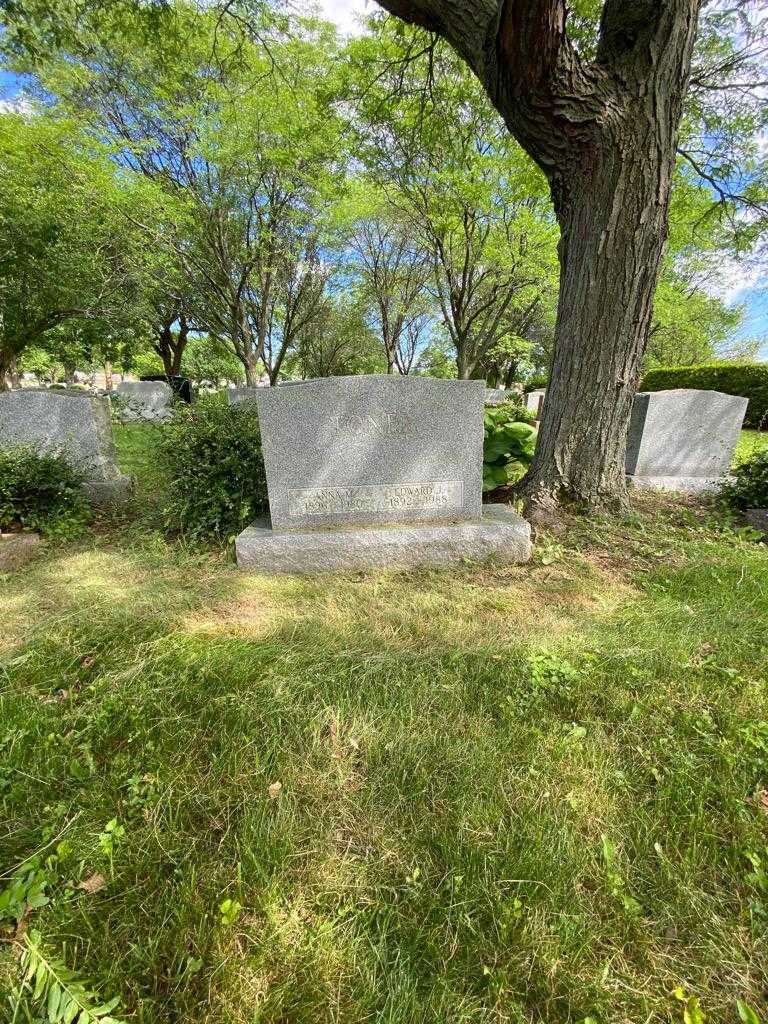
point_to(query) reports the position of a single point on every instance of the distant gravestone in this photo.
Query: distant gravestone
(148, 400)
(534, 401)
(236, 396)
(498, 396)
(352, 461)
(75, 425)
(683, 440)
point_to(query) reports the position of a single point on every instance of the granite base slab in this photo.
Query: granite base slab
(683, 484)
(501, 536)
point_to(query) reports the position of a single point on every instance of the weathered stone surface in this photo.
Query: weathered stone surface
(501, 536)
(372, 450)
(69, 423)
(16, 549)
(235, 396)
(145, 400)
(683, 440)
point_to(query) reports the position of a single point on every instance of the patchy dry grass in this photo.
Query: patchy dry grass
(508, 794)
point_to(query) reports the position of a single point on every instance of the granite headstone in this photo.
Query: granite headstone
(236, 396)
(376, 471)
(683, 439)
(498, 396)
(534, 401)
(371, 450)
(70, 423)
(145, 400)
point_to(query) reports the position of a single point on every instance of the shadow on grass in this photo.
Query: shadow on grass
(451, 747)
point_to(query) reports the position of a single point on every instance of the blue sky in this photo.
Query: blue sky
(745, 288)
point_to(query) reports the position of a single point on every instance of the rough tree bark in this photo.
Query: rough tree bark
(169, 346)
(604, 132)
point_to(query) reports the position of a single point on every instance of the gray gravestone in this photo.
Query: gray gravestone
(75, 425)
(376, 471)
(498, 396)
(236, 396)
(372, 449)
(683, 439)
(145, 400)
(534, 401)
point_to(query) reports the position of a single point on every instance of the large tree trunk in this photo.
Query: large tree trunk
(613, 220)
(604, 132)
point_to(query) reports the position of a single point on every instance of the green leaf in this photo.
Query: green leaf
(692, 1013)
(746, 1013)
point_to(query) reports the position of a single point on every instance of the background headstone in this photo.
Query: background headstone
(75, 425)
(371, 450)
(235, 396)
(683, 439)
(145, 400)
(534, 401)
(180, 386)
(498, 396)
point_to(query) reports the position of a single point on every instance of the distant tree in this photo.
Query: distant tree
(474, 209)
(68, 253)
(437, 359)
(209, 359)
(338, 342)
(392, 269)
(234, 126)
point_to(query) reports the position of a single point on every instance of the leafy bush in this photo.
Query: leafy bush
(212, 457)
(750, 489)
(41, 492)
(749, 380)
(508, 446)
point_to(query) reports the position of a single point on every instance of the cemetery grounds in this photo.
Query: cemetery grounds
(529, 793)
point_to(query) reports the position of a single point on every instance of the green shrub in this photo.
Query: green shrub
(509, 442)
(212, 457)
(749, 380)
(41, 492)
(750, 489)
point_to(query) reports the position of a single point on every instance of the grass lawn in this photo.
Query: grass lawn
(519, 794)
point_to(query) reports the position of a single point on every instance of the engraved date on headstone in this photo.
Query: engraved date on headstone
(322, 501)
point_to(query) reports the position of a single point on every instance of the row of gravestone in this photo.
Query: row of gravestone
(378, 470)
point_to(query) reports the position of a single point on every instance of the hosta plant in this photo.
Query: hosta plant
(509, 443)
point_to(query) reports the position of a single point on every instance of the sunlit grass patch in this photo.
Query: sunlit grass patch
(479, 794)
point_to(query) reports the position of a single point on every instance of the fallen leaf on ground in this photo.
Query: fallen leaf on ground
(94, 883)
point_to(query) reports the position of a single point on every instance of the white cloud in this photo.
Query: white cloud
(346, 13)
(735, 279)
(16, 105)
